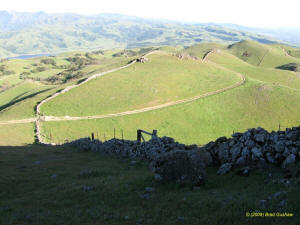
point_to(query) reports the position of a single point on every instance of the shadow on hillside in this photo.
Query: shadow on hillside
(13, 102)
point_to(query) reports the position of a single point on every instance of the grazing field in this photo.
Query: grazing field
(164, 78)
(44, 185)
(251, 105)
(16, 135)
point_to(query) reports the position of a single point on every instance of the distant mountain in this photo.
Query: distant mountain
(290, 35)
(33, 33)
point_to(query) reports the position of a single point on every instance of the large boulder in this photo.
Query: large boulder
(181, 167)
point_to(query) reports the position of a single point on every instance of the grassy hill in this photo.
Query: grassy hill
(33, 33)
(268, 98)
(163, 79)
(258, 54)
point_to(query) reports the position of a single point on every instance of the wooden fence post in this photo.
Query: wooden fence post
(139, 135)
(93, 137)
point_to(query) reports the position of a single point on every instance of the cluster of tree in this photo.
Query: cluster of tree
(64, 77)
(5, 85)
(80, 62)
(48, 61)
(5, 71)
(38, 69)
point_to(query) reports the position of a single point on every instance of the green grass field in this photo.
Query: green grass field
(251, 105)
(165, 78)
(46, 185)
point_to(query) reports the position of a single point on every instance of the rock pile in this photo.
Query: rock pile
(142, 59)
(149, 150)
(256, 146)
(171, 161)
(185, 164)
(185, 56)
(183, 167)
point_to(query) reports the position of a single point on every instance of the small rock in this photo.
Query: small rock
(282, 203)
(54, 176)
(149, 189)
(158, 177)
(244, 172)
(225, 168)
(37, 162)
(290, 160)
(132, 163)
(263, 203)
(126, 217)
(146, 196)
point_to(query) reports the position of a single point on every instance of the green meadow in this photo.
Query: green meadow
(251, 105)
(163, 79)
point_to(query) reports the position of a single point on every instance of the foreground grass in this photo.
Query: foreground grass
(251, 105)
(47, 185)
(163, 79)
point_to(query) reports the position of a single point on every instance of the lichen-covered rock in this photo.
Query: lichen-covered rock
(181, 167)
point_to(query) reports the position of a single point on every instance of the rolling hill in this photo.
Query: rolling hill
(194, 94)
(33, 33)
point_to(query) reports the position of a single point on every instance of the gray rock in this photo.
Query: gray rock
(279, 146)
(235, 152)
(256, 153)
(225, 168)
(245, 153)
(146, 196)
(240, 161)
(158, 177)
(149, 189)
(244, 172)
(182, 167)
(263, 204)
(223, 153)
(290, 160)
(270, 158)
(286, 152)
(250, 144)
(260, 138)
(282, 203)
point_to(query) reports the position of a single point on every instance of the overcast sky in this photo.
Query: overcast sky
(255, 13)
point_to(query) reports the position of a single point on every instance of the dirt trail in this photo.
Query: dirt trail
(29, 120)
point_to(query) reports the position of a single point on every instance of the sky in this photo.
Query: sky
(253, 13)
